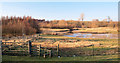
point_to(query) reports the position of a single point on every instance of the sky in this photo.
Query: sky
(59, 0)
(61, 10)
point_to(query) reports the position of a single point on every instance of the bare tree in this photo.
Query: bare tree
(82, 16)
(108, 18)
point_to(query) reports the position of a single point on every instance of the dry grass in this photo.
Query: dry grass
(48, 29)
(99, 30)
(98, 44)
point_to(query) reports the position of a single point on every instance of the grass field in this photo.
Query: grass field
(80, 58)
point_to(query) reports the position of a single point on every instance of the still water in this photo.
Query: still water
(89, 35)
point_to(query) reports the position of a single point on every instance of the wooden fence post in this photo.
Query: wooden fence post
(14, 42)
(29, 47)
(5, 42)
(93, 49)
(44, 55)
(58, 50)
(50, 53)
(40, 49)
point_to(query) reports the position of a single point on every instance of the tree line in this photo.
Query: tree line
(66, 24)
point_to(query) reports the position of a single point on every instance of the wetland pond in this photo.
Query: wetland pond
(90, 35)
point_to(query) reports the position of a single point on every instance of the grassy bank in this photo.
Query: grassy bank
(86, 30)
